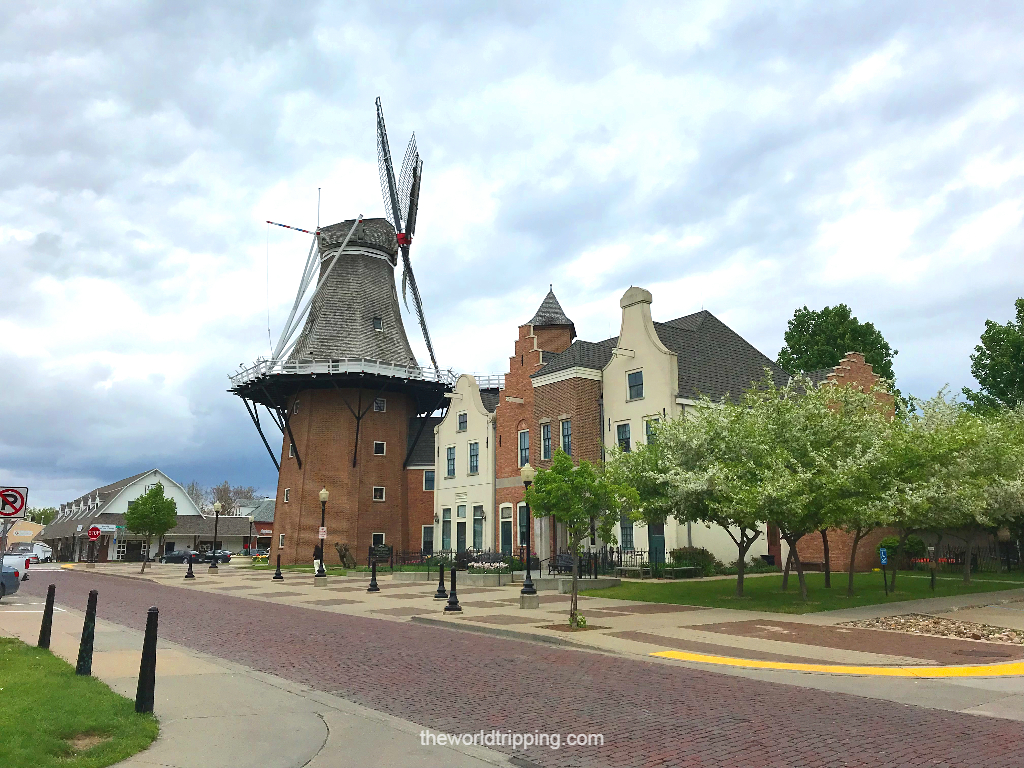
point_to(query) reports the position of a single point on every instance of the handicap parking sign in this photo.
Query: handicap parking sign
(883, 555)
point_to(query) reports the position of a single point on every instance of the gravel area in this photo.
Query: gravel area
(921, 624)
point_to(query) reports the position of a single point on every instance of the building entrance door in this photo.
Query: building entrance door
(460, 537)
(506, 537)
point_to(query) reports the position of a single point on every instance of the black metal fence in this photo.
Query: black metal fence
(993, 557)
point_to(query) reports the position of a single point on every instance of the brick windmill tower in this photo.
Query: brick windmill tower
(346, 390)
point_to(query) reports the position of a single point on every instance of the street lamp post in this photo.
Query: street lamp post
(248, 544)
(527, 473)
(216, 521)
(320, 572)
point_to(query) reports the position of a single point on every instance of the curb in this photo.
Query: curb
(508, 634)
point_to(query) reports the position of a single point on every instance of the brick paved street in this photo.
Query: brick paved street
(651, 714)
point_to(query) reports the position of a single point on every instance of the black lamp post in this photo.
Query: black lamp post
(216, 520)
(320, 572)
(248, 544)
(528, 473)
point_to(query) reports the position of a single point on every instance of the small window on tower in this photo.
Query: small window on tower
(287, 495)
(291, 450)
(378, 324)
(379, 448)
(380, 405)
(295, 407)
(462, 422)
(378, 493)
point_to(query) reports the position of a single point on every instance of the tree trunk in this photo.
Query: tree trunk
(896, 560)
(857, 536)
(828, 562)
(785, 571)
(145, 553)
(799, 569)
(935, 559)
(967, 559)
(741, 563)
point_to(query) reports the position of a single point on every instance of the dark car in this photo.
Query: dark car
(221, 555)
(181, 556)
(10, 580)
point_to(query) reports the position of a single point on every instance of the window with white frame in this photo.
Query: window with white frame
(463, 422)
(478, 527)
(474, 458)
(378, 539)
(287, 495)
(380, 405)
(524, 448)
(427, 540)
(460, 511)
(626, 531)
(291, 450)
(651, 430)
(428, 480)
(280, 541)
(567, 437)
(378, 493)
(451, 461)
(635, 382)
(545, 441)
(379, 447)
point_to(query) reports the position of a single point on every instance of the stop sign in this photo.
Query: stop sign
(94, 533)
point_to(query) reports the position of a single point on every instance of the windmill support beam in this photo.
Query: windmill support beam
(419, 432)
(284, 418)
(359, 412)
(254, 415)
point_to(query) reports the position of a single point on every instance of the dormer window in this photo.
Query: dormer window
(378, 323)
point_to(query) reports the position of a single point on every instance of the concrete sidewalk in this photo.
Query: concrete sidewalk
(215, 714)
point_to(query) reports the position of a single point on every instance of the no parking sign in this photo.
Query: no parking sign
(13, 502)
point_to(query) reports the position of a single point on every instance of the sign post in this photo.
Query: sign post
(12, 507)
(884, 557)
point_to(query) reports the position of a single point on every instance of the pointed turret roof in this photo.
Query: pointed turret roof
(550, 312)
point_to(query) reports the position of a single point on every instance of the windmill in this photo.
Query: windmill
(401, 200)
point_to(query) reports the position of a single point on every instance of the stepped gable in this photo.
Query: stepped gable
(361, 287)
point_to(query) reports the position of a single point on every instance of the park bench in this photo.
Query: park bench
(560, 564)
(685, 571)
(623, 571)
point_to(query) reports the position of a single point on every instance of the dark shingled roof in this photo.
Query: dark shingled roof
(550, 312)
(187, 525)
(423, 452)
(361, 287)
(489, 397)
(264, 513)
(819, 376)
(714, 360)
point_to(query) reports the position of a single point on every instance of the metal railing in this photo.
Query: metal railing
(490, 380)
(263, 368)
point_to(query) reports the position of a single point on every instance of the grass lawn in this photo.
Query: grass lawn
(52, 717)
(764, 593)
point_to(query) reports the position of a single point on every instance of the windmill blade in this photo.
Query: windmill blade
(405, 179)
(414, 199)
(388, 187)
(418, 304)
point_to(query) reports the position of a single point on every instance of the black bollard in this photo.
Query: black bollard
(277, 573)
(84, 666)
(44, 628)
(373, 578)
(189, 574)
(453, 599)
(441, 594)
(147, 669)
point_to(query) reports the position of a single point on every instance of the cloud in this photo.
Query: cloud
(748, 159)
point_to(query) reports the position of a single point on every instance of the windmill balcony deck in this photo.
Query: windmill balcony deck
(264, 368)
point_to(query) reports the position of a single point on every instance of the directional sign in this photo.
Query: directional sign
(883, 556)
(12, 502)
(94, 533)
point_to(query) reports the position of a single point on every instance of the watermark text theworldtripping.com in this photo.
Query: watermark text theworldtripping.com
(524, 741)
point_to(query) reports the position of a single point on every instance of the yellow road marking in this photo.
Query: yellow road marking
(1002, 669)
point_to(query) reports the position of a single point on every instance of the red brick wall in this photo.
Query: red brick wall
(420, 508)
(580, 399)
(324, 430)
(811, 549)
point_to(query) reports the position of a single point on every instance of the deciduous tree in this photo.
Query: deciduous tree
(152, 514)
(998, 365)
(818, 339)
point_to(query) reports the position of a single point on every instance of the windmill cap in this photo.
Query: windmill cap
(377, 234)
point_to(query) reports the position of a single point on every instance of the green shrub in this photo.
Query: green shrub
(696, 557)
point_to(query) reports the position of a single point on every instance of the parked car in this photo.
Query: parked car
(25, 550)
(181, 556)
(10, 580)
(221, 555)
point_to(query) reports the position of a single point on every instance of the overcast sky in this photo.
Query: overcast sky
(745, 158)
